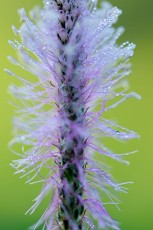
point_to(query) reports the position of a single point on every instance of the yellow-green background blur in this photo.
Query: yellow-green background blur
(136, 206)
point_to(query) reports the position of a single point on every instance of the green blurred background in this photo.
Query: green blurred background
(136, 206)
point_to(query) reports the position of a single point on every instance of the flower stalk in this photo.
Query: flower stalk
(71, 113)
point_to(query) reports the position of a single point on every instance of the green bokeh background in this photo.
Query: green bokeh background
(136, 206)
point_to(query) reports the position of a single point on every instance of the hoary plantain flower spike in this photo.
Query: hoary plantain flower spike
(69, 47)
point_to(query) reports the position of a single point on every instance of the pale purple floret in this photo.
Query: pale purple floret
(70, 47)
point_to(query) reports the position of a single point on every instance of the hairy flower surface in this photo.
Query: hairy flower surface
(77, 68)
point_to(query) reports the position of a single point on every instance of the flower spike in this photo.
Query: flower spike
(76, 67)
